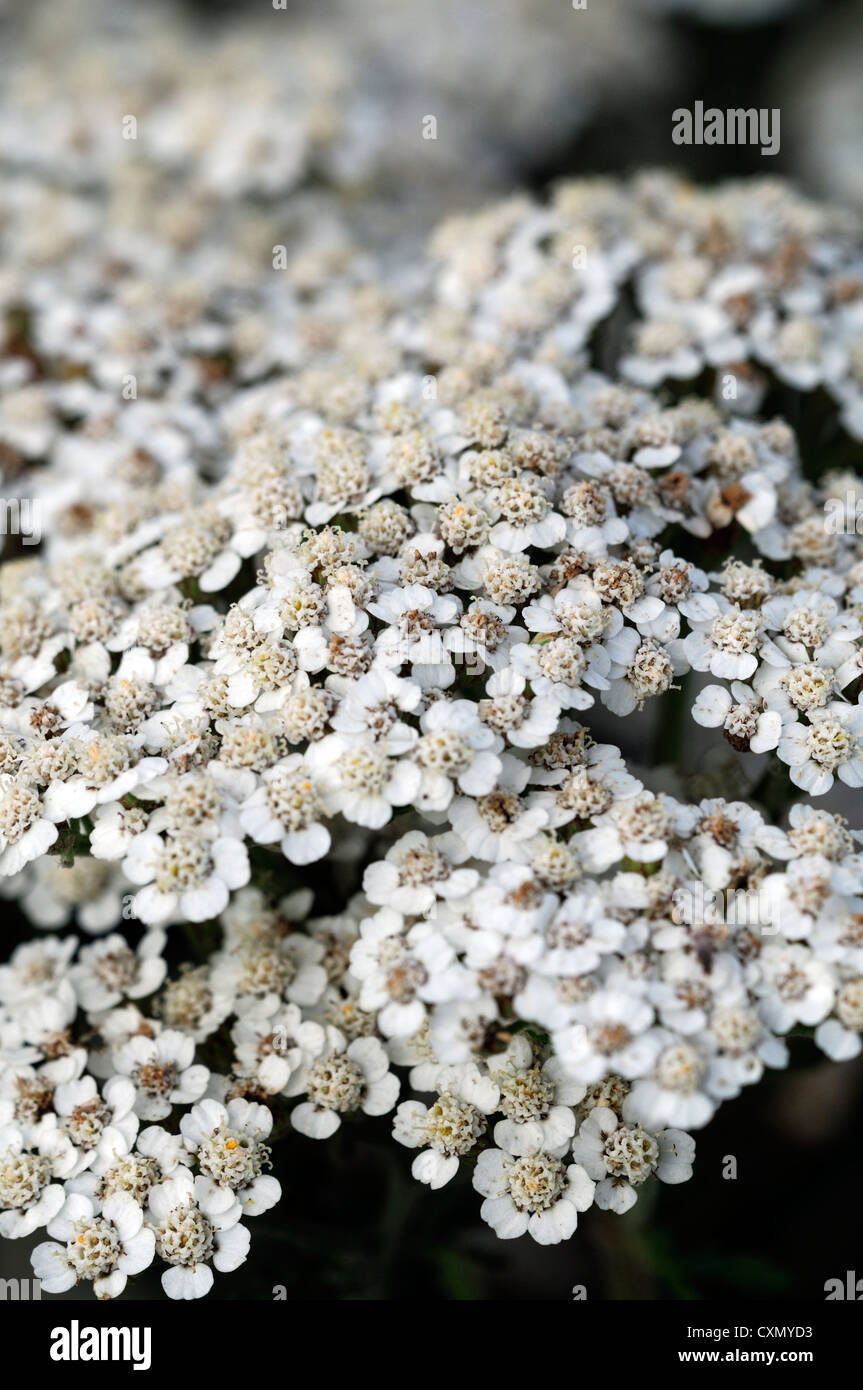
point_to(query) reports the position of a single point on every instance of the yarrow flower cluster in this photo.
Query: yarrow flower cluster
(304, 772)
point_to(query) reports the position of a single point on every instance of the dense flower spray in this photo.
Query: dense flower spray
(313, 670)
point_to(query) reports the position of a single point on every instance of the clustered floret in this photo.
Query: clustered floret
(347, 584)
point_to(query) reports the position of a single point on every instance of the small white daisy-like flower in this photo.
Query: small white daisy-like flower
(611, 1034)
(416, 871)
(115, 827)
(523, 722)
(187, 871)
(273, 1051)
(286, 808)
(727, 642)
(105, 1246)
(641, 668)
(661, 349)
(359, 778)
(412, 616)
(32, 1170)
(741, 715)
(195, 1224)
(639, 828)
(536, 1100)
(26, 832)
(163, 1071)
(34, 968)
(499, 826)
(674, 1092)
(94, 1123)
(449, 1127)
(108, 768)
(829, 746)
(109, 971)
(402, 969)
(133, 1168)
(795, 987)
(839, 1037)
(344, 1079)
(228, 1143)
(376, 701)
(535, 1193)
(455, 752)
(621, 1157)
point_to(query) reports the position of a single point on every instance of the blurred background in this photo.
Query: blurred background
(312, 120)
(326, 102)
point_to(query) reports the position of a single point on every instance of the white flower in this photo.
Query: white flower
(416, 616)
(455, 751)
(133, 1168)
(611, 1034)
(525, 723)
(187, 872)
(94, 1124)
(255, 974)
(34, 969)
(348, 1078)
(109, 970)
(485, 636)
(498, 826)
(675, 1092)
(536, 1101)
(641, 668)
(286, 807)
(449, 1127)
(195, 1223)
(830, 745)
(109, 768)
(228, 1143)
(273, 1051)
(512, 902)
(581, 932)
(163, 1071)
(26, 832)
(46, 1021)
(725, 836)
(535, 1192)
(839, 1037)
(105, 1247)
(527, 518)
(810, 626)
(795, 987)
(115, 827)
(360, 779)
(687, 994)
(375, 702)
(416, 871)
(741, 714)
(725, 642)
(457, 1031)
(401, 970)
(639, 828)
(621, 1157)
(30, 1196)
(661, 349)
(208, 548)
